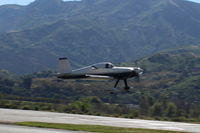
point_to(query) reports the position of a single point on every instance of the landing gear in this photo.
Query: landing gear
(126, 85)
(116, 83)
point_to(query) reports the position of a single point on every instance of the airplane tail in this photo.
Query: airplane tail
(64, 65)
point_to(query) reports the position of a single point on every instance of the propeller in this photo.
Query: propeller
(139, 72)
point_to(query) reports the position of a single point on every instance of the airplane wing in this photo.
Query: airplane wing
(99, 77)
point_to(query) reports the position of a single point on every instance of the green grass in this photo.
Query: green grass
(92, 128)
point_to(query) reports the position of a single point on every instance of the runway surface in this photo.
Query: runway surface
(22, 129)
(10, 115)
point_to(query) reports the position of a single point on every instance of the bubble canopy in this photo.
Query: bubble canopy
(103, 65)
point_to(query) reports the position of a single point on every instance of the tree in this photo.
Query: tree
(157, 109)
(146, 102)
(171, 110)
(27, 82)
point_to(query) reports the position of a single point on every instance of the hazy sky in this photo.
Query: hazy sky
(195, 1)
(20, 2)
(25, 2)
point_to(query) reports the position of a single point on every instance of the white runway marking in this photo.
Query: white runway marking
(10, 115)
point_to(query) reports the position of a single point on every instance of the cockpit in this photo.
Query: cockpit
(103, 65)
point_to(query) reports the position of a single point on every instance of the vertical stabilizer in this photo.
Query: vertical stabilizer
(64, 65)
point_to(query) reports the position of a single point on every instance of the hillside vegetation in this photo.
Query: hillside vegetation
(169, 90)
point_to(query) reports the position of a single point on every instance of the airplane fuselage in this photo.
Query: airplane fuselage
(115, 72)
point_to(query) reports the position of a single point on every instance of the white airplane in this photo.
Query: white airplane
(104, 70)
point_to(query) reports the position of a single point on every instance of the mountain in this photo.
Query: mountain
(124, 13)
(90, 31)
(33, 15)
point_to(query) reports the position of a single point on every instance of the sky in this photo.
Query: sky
(19, 2)
(198, 1)
(26, 2)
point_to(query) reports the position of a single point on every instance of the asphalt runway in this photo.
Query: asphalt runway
(22, 129)
(10, 115)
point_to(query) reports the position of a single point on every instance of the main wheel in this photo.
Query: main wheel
(127, 88)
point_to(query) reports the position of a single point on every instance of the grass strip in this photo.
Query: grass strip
(92, 128)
